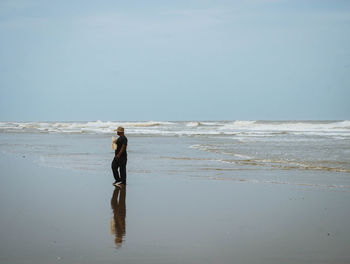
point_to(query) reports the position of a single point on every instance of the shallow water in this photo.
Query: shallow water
(314, 154)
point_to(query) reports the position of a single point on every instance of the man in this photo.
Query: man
(120, 159)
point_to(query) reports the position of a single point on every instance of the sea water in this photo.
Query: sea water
(313, 154)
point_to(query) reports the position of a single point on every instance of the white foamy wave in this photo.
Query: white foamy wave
(343, 124)
(242, 128)
(144, 124)
(242, 156)
(287, 126)
(193, 124)
(242, 123)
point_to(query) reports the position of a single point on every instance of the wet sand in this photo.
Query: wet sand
(53, 215)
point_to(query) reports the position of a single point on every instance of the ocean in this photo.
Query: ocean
(308, 154)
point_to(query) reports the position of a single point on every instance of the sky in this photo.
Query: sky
(174, 60)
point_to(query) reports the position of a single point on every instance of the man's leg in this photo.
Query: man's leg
(122, 167)
(115, 166)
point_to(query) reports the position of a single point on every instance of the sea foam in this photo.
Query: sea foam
(249, 128)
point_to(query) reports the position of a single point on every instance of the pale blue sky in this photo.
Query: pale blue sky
(174, 60)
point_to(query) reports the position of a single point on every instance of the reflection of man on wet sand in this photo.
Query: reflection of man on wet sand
(119, 213)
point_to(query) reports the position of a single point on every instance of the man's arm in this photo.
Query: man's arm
(121, 151)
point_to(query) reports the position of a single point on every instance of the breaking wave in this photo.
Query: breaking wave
(246, 128)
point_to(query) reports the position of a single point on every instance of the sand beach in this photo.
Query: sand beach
(179, 206)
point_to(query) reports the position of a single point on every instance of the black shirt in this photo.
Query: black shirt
(122, 140)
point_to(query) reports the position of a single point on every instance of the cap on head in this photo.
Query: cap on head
(120, 129)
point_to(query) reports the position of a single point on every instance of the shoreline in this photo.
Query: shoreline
(65, 216)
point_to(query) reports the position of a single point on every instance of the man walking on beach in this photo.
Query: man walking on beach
(120, 159)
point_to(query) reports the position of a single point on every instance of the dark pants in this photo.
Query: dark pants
(121, 164)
